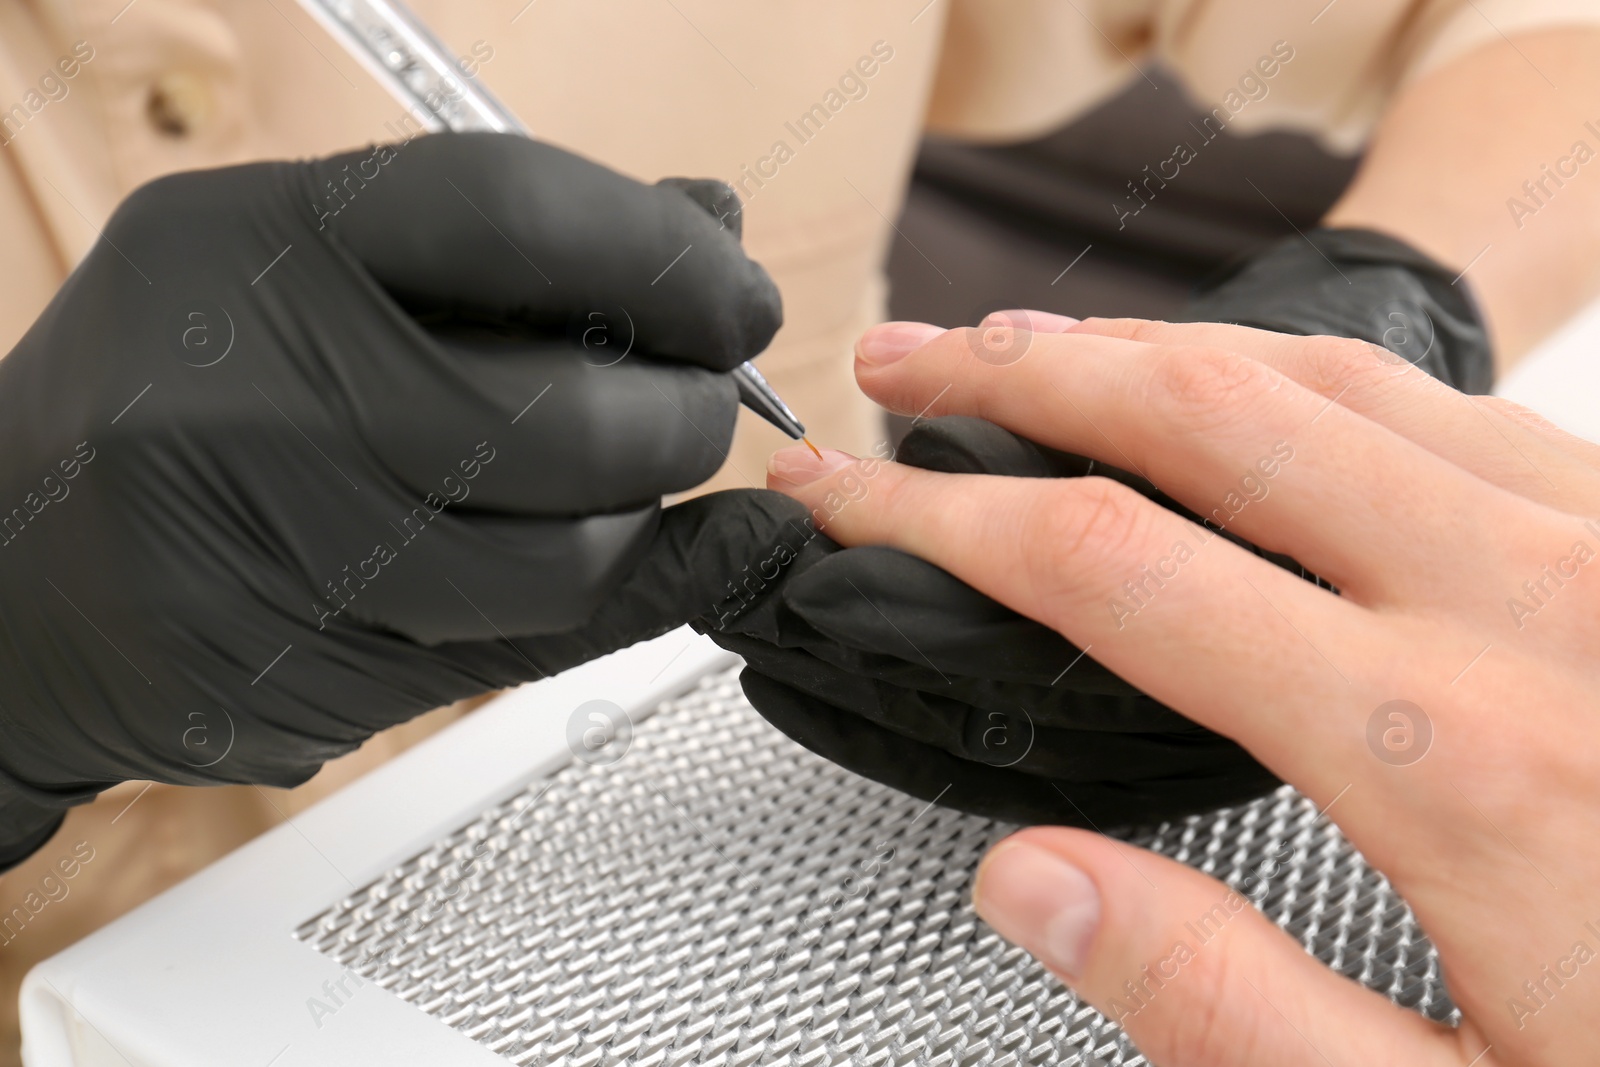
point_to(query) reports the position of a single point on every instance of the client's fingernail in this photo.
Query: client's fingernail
(798, 465)
(892, 340)
(1036, 899)
(1033, 321)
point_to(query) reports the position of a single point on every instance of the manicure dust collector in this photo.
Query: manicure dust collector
(626, 865)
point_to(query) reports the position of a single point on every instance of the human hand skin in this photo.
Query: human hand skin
(1428, 510)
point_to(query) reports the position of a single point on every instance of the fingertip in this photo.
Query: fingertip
(890, 342)
(798, 466)
(1039, 899)
(1033, 321)
(715, 197)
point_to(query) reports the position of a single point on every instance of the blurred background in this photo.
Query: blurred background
(1006, 227)
(1037, 225)
(1016, 226)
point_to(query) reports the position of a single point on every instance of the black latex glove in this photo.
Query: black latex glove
(1357, 283)
(302, 450)
(900, 672)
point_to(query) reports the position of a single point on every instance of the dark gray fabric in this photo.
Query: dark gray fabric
(991, 227)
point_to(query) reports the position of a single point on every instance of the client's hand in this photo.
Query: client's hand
(1441, 705)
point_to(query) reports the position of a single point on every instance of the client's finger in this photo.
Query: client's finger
(1351, 500)
(1499, 441)
(1187, 966)
(1188, 617)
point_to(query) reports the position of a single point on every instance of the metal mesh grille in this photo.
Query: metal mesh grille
(721, 895)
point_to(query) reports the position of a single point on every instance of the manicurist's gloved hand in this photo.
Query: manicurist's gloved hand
(304, 449)
(1343, 282)
(894, 668)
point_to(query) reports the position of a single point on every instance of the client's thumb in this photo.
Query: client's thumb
(1188, 967)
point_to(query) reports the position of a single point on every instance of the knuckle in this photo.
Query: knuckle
(860, 499)
(1089, 522)
(896, 494)
(1221, 1024)
(1128, 329)
(485, 153)
(160, 194)
(1206, 389)
(1518, 414)
(943, 376)
(1364, 372)
(149, 212)
(1330, 364)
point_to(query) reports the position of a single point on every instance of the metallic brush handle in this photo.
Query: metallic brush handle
(416, 67)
